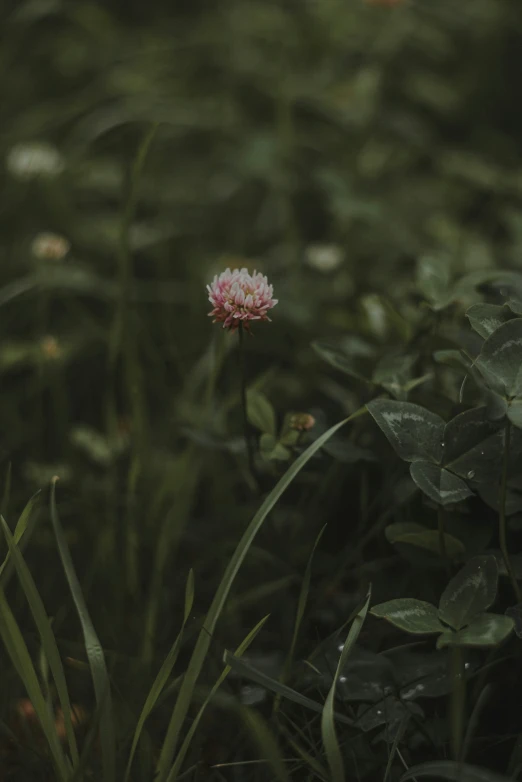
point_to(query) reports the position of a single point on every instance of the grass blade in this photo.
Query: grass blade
(266, 742)
(19, 532)
(307, 758)
(244, 669)
(21, 659)
(205, 636)
(301, 606)
(243, 646)
(50, 647)
(7, 491)
(93, 650)
(331, 744)
(163, 674)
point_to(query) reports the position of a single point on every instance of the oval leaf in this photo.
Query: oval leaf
(474, 446)
(440, 485)
(260, 412)
(414, 432)
(500, 360)
(470, 593)
(485, 630)
(413, 616)
(337, 358)
(487, 318)
(429, 540)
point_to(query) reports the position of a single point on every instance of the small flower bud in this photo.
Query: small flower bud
(50, 348)
(50, 247)
(302, 422)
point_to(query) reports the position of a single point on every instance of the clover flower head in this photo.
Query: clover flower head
(238, 297)
(302, 422)
(50, 247)
(26, 161)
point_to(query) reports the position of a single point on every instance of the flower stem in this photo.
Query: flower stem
(502, 525)
(458, 701)
(442, 539)
(246, 428)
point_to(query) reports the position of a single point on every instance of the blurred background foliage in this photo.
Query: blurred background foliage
(331, 144)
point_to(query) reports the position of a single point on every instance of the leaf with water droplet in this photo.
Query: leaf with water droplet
(440, 485)
(474, 446)
(414, 432)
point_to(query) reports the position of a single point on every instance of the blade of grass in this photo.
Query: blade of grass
(314, 764)
(395, 746)
(283, 690)
(163, 674)
(93, 649)
(199, 654)
(241, 649)
(331, 744)
(266, 741)
(185, 475)
(50, 648)
(21, 659)
(301, 606)
(19, 532)
(7, 491)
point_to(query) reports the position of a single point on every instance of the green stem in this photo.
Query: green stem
(442, 539)
(502, 526)
(458, 701)
(246, 428)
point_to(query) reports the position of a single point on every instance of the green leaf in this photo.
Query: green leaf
(338, 359)
(500, 360)
(261, 414)
(474, 446)
(440, 485)
(272, 450)
(93, 649)
(205, 636)
(470, 592)
(413, 616)
(457, 359)
(514, 412)
(433, 280)
(394, 372)
(484, 630)
(453, 771)
(487, 318)
(414, 432)
(429, 540)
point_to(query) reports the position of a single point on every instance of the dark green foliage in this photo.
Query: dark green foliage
(197, 616)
